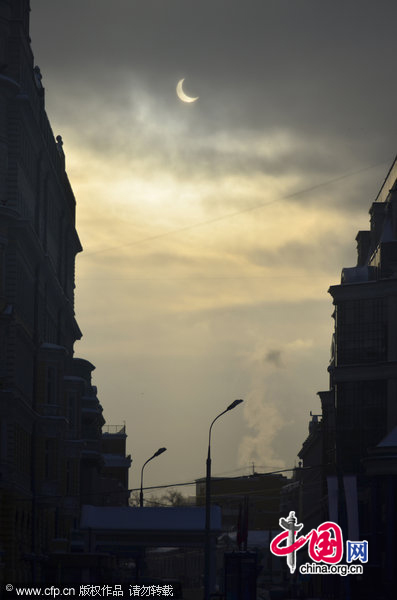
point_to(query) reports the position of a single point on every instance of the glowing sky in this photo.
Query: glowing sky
(212, 231)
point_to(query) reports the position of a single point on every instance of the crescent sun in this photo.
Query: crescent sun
(181, 94)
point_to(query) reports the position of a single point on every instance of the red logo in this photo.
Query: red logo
(325, 542)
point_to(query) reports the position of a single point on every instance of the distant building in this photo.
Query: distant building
(53, 456)
(115, 465)
(255, 498)
(356, 440)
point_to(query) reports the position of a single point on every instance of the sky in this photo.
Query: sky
(213, 230)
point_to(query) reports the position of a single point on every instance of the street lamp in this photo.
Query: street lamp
(207, 571)
(159, 451)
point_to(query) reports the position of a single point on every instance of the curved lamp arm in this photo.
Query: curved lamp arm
(230, 407)
(159, 451)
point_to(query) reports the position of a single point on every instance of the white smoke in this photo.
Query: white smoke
(271, 392)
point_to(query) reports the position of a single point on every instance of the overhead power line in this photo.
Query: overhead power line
(234, 214)
(39, 497)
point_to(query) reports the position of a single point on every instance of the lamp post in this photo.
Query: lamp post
(159, 451)
(207, 557)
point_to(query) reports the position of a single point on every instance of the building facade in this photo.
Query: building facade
(52, 453)
(355, 443)
(250, 502)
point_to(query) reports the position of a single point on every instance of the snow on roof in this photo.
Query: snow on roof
(190, 518)
(356, 274)
(390, 440)
(48, 346)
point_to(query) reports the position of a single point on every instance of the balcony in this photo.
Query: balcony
(114, 430)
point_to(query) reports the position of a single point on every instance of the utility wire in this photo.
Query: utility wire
(164, 486)
(239, 212)
(202, 479)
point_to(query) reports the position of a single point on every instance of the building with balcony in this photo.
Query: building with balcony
(352, 451)
(53, 456)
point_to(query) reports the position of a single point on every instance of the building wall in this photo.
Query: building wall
(50, 417)
(363, 374)
(259, 492)
(359, 412)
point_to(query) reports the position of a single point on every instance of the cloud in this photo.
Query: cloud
(258, 68)
(213, 231)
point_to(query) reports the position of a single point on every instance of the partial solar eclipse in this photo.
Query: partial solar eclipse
(181, 94)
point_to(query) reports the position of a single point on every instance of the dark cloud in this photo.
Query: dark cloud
(323, 68)
(322, 72)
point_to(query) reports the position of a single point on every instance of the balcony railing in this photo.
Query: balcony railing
(114, 429)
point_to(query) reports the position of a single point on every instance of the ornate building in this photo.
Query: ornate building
(352, 453)
(53, 456)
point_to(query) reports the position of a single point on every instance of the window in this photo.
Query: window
(361, 415)
(361, 331)
(52, 385)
